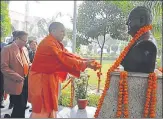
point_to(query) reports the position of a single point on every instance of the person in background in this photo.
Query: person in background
(14, 66)
(33, 46)
(2, 81)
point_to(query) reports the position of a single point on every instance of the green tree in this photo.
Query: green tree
(5, 21)
(99, 18)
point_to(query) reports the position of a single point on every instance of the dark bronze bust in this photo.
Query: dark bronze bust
(142, 55)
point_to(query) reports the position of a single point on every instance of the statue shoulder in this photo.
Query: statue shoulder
(147, 44)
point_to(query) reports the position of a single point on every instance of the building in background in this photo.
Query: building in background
(18, 20)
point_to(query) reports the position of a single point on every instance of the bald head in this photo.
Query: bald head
(57, 29)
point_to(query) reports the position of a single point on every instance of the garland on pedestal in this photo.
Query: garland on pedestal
(117, 63)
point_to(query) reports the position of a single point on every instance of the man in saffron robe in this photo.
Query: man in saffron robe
(51, 64)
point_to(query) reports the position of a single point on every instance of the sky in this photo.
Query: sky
(47, 9)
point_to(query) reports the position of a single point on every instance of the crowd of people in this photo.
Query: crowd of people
(34, 73)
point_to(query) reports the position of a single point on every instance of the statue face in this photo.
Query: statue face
(133, 24)
(138, 18)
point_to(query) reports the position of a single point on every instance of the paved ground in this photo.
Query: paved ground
(64, 112)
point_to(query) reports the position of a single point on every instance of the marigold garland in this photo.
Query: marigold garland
(99, 79)
(66, 84)
(96, 65)
(72, 90)
(123, 96)
(119, 104)
(117, 63)
(151, 97)
(99, 74)
(72, 93)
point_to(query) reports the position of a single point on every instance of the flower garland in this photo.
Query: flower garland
(99, 78)
(117, 63)
(72, 90)
(151, 97)
(119, 104)
(123, 96)
(72, 93)
(96, 65)
(66, 84)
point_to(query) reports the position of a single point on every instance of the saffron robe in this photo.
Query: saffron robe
(51, 64)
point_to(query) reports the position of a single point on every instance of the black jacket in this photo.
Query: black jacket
(31, 55)
(142, 56)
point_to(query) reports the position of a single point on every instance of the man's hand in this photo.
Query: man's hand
(158, 73)
(91, 63)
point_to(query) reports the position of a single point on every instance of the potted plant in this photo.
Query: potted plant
(81, 85)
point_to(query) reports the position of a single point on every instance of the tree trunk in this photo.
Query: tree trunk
(102, 47)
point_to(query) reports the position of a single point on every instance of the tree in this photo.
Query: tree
(99, 18)
(5, 21)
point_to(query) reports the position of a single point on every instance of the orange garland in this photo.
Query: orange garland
(96, 65)
(72, 93)
(119, 104)
(151, 97)
(117, 63)
(123, 93)
(99, 79)
(99, 74)
(66, 84)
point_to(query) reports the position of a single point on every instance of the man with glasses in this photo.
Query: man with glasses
(14, 66)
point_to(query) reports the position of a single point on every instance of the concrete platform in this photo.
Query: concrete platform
(64, 112)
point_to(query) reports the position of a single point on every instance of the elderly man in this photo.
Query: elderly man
(14, 66)
(51, 64)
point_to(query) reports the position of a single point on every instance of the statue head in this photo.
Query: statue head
(138, 17)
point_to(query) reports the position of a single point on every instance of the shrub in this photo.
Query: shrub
(64, 99)
(93, 100)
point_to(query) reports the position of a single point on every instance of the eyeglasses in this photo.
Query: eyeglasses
(23, 40)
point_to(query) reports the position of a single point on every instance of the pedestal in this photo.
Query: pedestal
(137, 86)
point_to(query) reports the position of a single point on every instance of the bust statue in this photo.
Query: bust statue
(142, 55)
